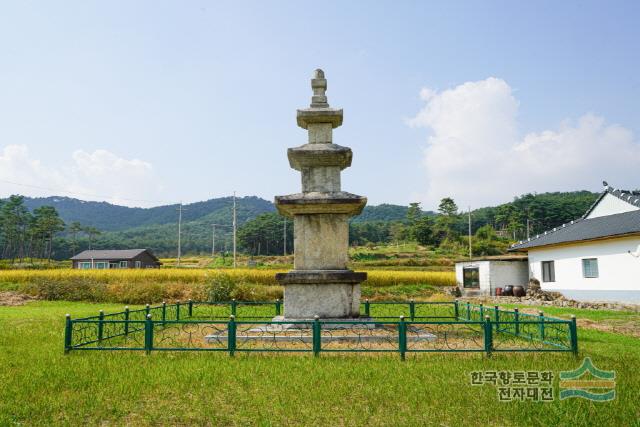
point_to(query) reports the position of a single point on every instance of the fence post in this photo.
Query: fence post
(468, 311)
(541, 314)
(516, 316)
(367, 308)
(402, 338)
(100, 327)
(190, 308)
(412, 310)
(573, 332)
(456, 310)
(316, 335)
(164, 312)
(126, 320)
(147, 309)
(234, 306)
(68, 330)
(177, 310)
(481, 311)
(148, 334)
(231, 335)
(497, 309)
(278, 307)
(488, 335)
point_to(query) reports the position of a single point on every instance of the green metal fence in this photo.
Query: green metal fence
(400, 327)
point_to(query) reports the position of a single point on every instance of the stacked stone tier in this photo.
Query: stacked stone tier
(319, 155)
(309, 277)
(338, 202)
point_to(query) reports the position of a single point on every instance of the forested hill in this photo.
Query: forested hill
(384, 212)
(108, 226)
(107, 217)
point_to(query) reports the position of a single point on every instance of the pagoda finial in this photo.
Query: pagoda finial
(319, 86)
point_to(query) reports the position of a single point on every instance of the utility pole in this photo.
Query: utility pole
(285, 236)
(527, 228)
(213, 242)
(179, 232)
(470, 253)
(234, 229)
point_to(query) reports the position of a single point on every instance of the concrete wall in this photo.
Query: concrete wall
(514, 273)
(617, 269)
(610, 205)
(483, 272)
(495, 274)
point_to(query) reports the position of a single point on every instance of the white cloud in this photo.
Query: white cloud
(100, 175)
(475, 154)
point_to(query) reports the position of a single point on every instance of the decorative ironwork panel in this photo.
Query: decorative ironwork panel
(445, 336)
(190, 335)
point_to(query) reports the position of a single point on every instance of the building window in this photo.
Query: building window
(84, 265)
(548, 271)
(124, 264)
(101, 265)
(590, 268)
(471, 277)
(138, 264)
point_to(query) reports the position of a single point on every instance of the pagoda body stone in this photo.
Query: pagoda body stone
(320, 283)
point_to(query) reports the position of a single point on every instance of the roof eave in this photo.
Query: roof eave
(593, 239)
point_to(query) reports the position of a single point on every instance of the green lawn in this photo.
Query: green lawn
(41, 386)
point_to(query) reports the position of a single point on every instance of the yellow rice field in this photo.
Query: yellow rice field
(178, 275)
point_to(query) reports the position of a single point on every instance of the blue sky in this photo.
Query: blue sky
(480, 101)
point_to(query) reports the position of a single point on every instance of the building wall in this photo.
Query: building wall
(483, 273)
(514, 273)
(145, 259)
(610, 205)
(495, 274)
(617, 269)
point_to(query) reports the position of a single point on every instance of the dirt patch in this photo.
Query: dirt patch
(624, 327)
(14, 298)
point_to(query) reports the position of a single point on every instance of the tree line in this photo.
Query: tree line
(29, 235)
(42, 234)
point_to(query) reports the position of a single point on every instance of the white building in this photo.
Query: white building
(482, 276)
(596, 257)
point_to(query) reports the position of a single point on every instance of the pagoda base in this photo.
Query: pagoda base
(326, 300)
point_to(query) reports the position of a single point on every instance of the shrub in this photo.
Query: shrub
(220, 287)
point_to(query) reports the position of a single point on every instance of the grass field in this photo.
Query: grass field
(41, 386)
(157, 285)
(250, 275)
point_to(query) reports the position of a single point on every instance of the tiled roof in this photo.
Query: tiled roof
(111, 254)
(585, 229)
(630, 196)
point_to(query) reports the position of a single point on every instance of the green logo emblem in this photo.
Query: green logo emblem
(588, 382)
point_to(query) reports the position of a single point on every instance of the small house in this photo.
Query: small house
(121, 258)
(482, 276)
(596, 257)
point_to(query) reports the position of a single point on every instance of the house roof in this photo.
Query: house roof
(110, 254)
(506, 257)
(629, 196)
(584, 229)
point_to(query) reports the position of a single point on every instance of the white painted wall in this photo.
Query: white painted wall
(483, 272)
(514, 273)
(610, 205)
(617, 269)
(495, 274)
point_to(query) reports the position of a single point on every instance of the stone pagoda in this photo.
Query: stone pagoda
(320, 283)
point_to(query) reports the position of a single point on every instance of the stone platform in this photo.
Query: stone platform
(355, 333)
